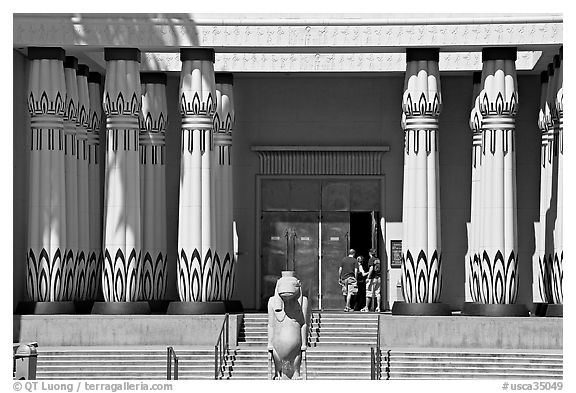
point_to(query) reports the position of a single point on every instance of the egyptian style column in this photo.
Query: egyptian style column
(421, 244)
(195, 229)
(498, 243)
(153, 119)
(122, 102)
(95, 257)
(557, 270)
(71, 175)
(472, 264)
(47, 203)
(223, 123)
(82, 268)
(541, 285)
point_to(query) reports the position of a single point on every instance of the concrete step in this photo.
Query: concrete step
(485, 364)
(471, 369)
(476, 375)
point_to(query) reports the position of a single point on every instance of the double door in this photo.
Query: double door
(312, 244)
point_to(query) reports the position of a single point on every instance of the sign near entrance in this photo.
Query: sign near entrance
(396, 253)
(305, 238)
(275, 238)
(334, 238)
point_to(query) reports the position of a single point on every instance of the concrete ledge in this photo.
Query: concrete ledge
(93, 330)
(471, 332)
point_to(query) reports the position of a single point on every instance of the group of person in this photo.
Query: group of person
(359, 281)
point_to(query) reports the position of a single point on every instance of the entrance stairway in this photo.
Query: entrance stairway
(442, 364)
(339, 347)
(121, 363)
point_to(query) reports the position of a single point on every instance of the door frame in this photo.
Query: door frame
(258, 234)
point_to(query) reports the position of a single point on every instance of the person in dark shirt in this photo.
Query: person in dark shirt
(373, 283)
(347, 277)
(361, 283)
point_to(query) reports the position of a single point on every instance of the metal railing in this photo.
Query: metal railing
(222, 348)
(171, 355)
(376, 357)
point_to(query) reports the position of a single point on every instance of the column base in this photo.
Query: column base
(555, 310)
(83, 306)
(495, 310)
(420, 309)
(120, 308)
(45, 308)
(158, 306)
(196, 308)
(539, 309)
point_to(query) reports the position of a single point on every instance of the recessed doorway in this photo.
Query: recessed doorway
(308, 224)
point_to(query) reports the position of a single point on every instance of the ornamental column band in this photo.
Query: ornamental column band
(153, 119)
(223, 123)
(472, 263)
(71, 175)
(121, 274)
(498, 242)
(195, 229)
(421, 262)
(82, 268)
(95, 257)
(47, 204)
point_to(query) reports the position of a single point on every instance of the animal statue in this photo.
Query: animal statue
(287, 326)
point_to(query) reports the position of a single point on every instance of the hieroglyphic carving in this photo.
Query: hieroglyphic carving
(144, 32)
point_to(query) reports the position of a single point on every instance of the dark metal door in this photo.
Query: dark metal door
(335, 228)
(304, 238)
(289, 241)
(275, 232)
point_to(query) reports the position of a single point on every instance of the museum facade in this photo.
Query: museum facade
(192, 158)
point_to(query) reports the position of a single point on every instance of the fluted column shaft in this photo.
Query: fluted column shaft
(195, 229)
(472, 269)
(122, 102)
(498, 242)
(71, 175)
(47, 203)
(421, 104)
(95, 256)
(82, 272)
(153, 122)
(223, 123)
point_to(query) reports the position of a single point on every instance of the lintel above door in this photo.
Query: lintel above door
(320, 160)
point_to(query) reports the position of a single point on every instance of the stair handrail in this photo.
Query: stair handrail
(388, 364)
(222, 347)
(308, 317)
(171, 355)
(378, 352)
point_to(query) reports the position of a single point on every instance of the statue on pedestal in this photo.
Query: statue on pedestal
(287, 326)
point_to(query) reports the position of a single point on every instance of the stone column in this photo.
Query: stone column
(558, 271)
(122, 102)
(47, 203)
(498, 243)
(71, 175)
(82, 267)
(153, 121)
(95, 256)
(223, 124)
(472, 260)
(195, 242)
(543, 257)
(421, 243)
